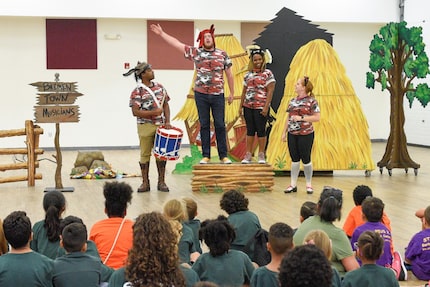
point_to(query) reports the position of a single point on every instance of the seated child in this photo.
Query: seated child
(222, 265)
(22, 266)
(174, 209)
(305, 266)
(280, 242)
(245, 222)
(321, 240)
(373, 208)
(308, 209)
(370, 248)
(193, 222)
(355, 216)
(91, 246)
(77, 268)
(418, 252)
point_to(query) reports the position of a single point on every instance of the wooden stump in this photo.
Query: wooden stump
(215, 177)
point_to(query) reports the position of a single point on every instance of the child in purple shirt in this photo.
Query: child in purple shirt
(373, 209)
(418, 251)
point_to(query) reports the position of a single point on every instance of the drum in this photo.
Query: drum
(167, 143)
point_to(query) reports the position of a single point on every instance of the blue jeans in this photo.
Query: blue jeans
(205, 104)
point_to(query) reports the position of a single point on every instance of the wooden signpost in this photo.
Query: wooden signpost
(55, 105)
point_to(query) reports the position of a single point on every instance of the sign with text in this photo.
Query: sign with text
(55, 102)
(64, 87)
(57, 98)
(56, 114)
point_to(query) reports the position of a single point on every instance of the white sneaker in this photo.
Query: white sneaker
(247, 158)
(261, 158)
(205, 160)
(225, 160)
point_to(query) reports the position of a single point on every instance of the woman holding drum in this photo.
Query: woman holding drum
(149, 104)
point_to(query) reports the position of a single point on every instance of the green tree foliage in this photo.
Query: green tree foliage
(397, 58)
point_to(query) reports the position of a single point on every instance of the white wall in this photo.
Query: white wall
(106, 119)
(238, 10)
(417, 123)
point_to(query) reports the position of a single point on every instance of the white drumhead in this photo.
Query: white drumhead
(170, 131)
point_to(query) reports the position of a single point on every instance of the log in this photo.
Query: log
(18, 132)
(14, 166)
(4, 151)
(18, 178)
(221, 177)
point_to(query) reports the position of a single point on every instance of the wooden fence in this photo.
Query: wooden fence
(32, 133)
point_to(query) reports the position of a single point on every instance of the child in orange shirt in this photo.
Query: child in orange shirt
(355, 216)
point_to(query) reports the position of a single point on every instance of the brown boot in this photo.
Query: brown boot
(144, 187)
(161, 166)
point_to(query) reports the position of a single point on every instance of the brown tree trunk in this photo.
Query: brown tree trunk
(58, 157)
(396, 152)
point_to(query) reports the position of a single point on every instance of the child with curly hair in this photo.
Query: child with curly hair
(153, 260)
(305, 266)
(245, 222)
(222, 265)
(321, 240)
(46, 233)
(113, 236)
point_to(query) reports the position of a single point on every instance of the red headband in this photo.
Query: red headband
(201, 36)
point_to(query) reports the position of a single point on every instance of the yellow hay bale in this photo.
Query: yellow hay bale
(341, 137)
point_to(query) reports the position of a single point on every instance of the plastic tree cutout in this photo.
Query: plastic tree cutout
(397, 58)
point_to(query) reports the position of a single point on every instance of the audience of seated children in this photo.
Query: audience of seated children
(22, 266)
(305, 266)
(280, 242)
(370, 248)
(321, 240)
(113, 236)
(373, 208)
(245, 222)
(329, 208)
(417, 253)
(91, 246)
(193, 222)
(355, 216)
(78, 268)
(153, 259)
(222, 265)
(175, 210)
(46, 233)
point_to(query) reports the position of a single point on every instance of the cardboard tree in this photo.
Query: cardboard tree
(397, 57)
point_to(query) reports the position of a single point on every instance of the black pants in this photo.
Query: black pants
(300, 147)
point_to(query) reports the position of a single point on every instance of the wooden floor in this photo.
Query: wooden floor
(403, 193)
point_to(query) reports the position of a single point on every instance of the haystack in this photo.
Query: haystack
(341, 137)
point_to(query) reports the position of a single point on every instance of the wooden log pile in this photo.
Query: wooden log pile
(215, 177)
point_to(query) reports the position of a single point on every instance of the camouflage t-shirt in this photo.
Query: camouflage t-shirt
(210, 66)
